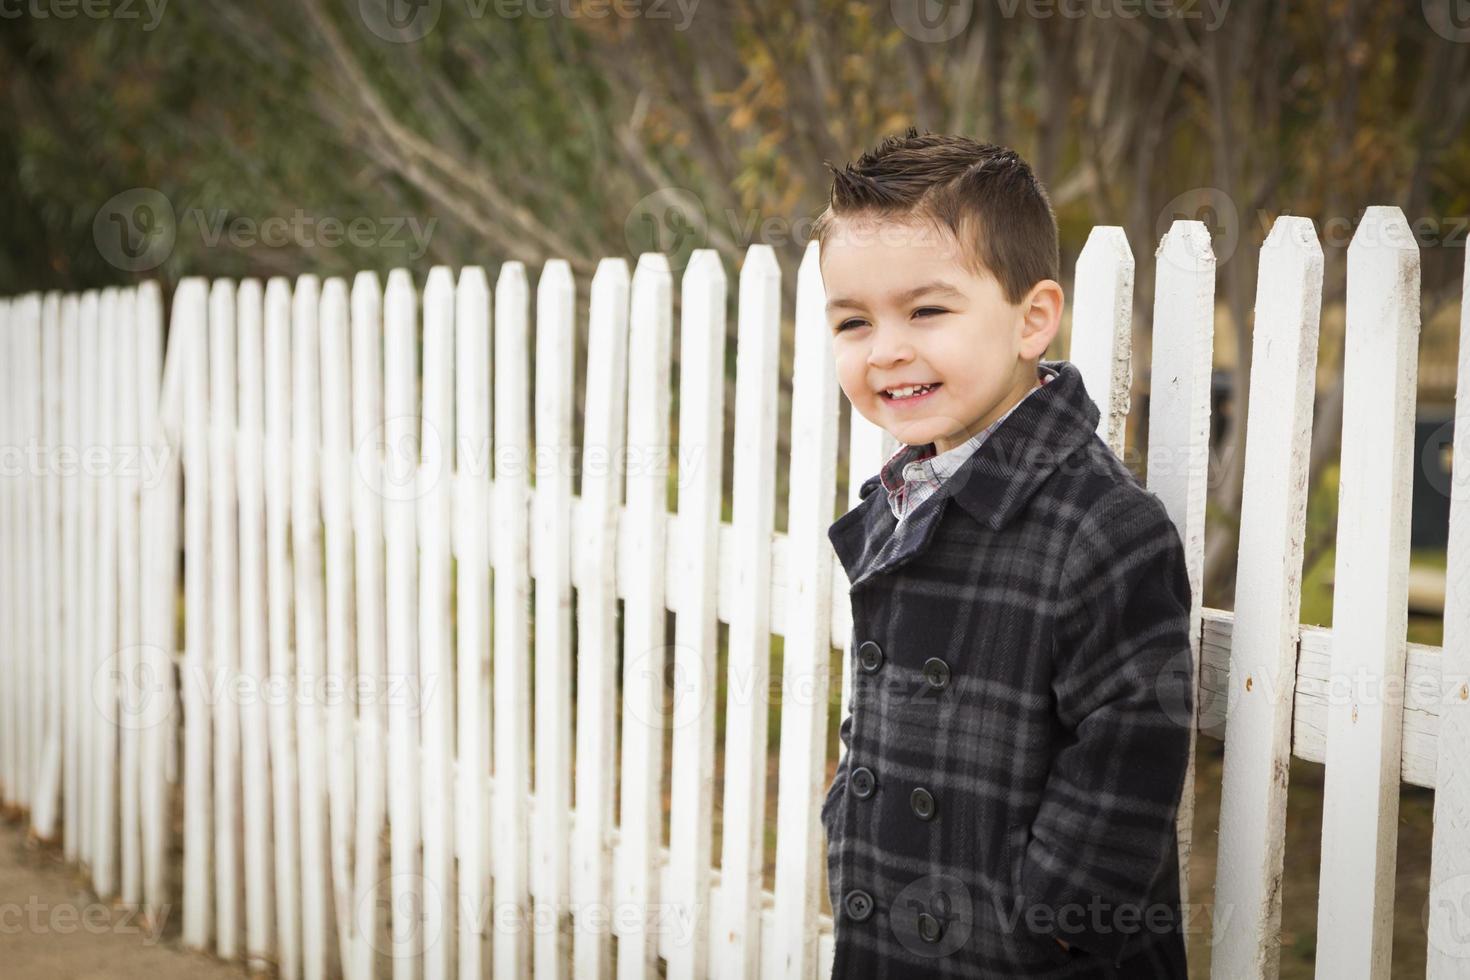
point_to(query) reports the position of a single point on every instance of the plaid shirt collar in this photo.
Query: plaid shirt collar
(919, 468)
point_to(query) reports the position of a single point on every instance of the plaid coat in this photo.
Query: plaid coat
(1019, 729)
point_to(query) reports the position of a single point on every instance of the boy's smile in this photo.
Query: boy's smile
(906, 312)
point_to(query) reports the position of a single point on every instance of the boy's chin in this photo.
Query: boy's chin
(918, 433)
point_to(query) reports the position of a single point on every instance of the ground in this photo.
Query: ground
(51, 925)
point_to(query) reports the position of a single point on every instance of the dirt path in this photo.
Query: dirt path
(51, 925)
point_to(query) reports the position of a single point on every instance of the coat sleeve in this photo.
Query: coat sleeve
(1124, 683)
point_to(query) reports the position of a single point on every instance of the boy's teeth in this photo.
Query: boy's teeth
(908, 392)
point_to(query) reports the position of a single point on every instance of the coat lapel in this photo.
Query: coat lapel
(991, 486)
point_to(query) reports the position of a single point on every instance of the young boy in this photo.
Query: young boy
(1023, 682)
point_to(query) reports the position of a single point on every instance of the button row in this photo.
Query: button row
(870, 660)
(859, 907)
(858, 903)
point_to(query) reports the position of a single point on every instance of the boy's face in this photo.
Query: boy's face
(960, 333)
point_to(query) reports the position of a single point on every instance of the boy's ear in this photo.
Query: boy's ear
(1041, 312)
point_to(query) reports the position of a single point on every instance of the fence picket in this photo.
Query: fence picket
(510, 545)
(130, 625)
(253, 663)
(597, 612)
(551, 568)
(1449, 868)
(1179, 435)
(1273, 522)
(738, 952)
(224, 619)
(472, 614)
(318, 953)
(158, 644)
(436, 644)
(399, 474)
(1370, 600)
(799, 857)
(285, 830)
(71, 641)
(696, 625)
(48, 380)
(367, 519)
(193, 296)
(338, 694)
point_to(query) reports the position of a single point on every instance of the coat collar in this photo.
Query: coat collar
(991, 486)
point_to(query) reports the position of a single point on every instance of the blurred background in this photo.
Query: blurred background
(146, 139)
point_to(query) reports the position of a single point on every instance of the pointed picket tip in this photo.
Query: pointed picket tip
(610, 268)
(277, 290)
(191, 289)
(440, 277)
(1383, 228)
(474, 277)
(309, 280)
(704, 262)
(1186, 245)
(365, 280)
(512, 275)
(1295, 232)
(651, 263)
(760, 259)
(1106, 242)
(400, 280)
(334, 290)
(811, 258)
(556, 273)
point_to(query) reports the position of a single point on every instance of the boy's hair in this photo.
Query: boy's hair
(985, 195)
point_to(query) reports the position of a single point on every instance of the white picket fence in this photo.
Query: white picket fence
(347, 730)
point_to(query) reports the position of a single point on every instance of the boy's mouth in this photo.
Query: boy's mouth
(911, 393)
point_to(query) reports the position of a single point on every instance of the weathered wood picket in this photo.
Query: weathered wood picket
(371, 552)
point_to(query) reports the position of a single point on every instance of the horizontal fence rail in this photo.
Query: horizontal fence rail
(329, 576)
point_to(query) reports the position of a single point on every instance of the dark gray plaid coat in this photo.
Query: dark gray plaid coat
(1019, 731)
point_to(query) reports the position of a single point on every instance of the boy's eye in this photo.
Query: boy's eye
(856, 320)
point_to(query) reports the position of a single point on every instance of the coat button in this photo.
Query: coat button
(936, 672)
(922, 802)
(861, 782)
(859, 905)
(870, 657)
(930, 929)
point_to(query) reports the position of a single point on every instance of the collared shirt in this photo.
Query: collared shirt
(915, 471)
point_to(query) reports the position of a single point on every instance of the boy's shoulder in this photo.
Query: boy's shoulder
(1092, 494)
